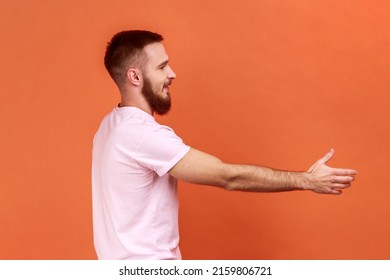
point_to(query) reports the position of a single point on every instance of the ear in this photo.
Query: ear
(134, 76)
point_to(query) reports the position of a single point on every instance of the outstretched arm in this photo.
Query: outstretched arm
(200, 168)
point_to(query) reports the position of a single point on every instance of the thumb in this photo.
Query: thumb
(322, 160)
(327, 157)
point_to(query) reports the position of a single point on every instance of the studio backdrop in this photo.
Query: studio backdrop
(274, 83)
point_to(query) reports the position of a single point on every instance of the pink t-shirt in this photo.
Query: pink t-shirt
(135, 205)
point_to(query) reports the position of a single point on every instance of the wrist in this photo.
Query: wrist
(302, 181)
(306, 181)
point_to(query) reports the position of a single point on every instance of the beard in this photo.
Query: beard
(160, 105)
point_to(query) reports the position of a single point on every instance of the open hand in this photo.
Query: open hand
(323, 179)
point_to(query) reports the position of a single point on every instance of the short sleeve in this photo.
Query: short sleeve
(160, 150)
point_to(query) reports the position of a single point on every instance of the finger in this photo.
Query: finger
(327, 157)
(335, 191)
(341, 185)
(344, 172)
(342, 179)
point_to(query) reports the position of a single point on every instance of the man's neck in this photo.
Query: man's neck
(144, 107)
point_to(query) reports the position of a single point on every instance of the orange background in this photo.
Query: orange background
(275, 83)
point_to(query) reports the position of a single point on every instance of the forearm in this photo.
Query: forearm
(261, 179)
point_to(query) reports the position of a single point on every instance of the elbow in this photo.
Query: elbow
(229, 187)
(230, 178)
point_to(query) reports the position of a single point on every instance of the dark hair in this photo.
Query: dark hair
(126, 49)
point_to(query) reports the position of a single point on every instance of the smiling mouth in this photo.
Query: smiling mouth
(166, 86)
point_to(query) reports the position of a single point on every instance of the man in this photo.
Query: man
(136, 161)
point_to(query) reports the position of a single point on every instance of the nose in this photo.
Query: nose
(171, 74)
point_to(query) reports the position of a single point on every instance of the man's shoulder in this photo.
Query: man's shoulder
(133, 124)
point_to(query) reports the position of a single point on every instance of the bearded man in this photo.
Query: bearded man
(136, 161)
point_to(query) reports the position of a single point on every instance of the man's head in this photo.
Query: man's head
(137, 58)
(125, 50)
